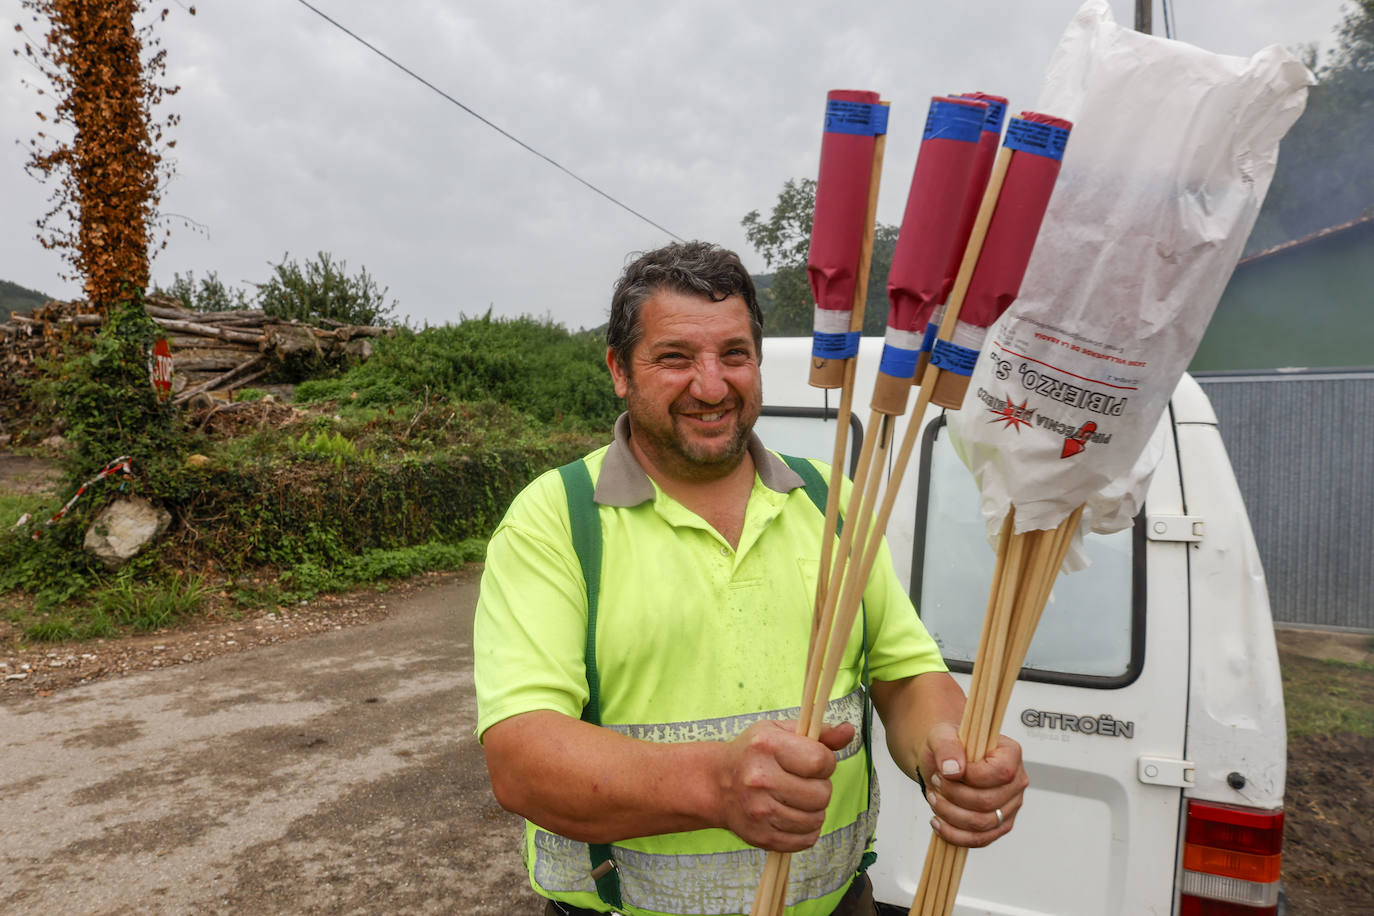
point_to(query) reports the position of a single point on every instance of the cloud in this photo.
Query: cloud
(295, 138)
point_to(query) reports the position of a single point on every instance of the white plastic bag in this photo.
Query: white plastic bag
(1171, 154)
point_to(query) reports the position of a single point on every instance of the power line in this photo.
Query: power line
(509, 136)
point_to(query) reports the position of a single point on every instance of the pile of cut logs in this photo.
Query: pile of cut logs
(212, 352)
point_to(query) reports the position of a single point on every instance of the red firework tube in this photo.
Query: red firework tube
(1037, 144)
(978, 182)
(988, 141)
(853, 121)
(918, 279)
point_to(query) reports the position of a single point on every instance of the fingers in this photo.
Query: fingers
(779, 785)
(980, 804)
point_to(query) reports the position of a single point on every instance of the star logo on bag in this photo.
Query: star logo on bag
(1013, 415)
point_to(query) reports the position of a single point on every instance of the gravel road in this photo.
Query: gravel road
(336, 774)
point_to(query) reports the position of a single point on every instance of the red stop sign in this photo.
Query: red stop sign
(162, 368)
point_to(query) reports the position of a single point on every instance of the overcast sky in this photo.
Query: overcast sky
(295, 138)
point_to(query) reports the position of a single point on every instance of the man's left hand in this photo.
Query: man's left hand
(974, 802)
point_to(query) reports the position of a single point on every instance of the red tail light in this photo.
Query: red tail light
(1231, 860)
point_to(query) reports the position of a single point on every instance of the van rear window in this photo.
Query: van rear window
(1091, 633)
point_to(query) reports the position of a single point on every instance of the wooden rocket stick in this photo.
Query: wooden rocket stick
(1042, 554)
(770, 897)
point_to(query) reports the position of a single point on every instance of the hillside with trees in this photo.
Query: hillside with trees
(1325, 174)
(15, 298)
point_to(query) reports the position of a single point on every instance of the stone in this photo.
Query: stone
(197, 461)
(123, 528)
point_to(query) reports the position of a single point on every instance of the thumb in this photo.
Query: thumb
(946, 750)
(837, 736)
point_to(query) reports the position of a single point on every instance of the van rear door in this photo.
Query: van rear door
(1100, 710)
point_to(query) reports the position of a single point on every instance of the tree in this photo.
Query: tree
(104, 84)
(210, 295)
(323, 290)
(1325, 175)
(784, 241)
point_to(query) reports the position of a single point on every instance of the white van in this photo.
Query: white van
(1150, 709)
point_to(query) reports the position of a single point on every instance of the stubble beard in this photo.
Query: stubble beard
(685, 457)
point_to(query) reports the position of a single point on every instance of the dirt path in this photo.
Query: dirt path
(329, 775)
(233, 766)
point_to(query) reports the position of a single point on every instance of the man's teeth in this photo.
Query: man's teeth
(711, 417)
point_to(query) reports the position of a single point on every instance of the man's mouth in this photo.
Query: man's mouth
(708, 417)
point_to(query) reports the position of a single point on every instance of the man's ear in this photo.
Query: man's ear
(619, 376)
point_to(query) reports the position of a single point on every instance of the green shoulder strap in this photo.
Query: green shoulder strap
(586, 538)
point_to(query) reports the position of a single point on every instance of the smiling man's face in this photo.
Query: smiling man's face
(692, 389)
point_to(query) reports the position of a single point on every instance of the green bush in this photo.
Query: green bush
(537, 367)
(210, 295)
(265, 513)
(105, 397)
(322, 289)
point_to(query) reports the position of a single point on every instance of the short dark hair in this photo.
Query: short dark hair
(698, 268)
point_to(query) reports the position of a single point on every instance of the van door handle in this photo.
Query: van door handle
(1167, 771)
(1185, 528)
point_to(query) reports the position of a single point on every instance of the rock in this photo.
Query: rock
(5, 440)
(197, 461)
(123, 528)
(53, 442)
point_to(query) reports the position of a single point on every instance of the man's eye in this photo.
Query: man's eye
(674, 359)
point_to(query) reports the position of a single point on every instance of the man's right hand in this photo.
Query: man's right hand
(775, 784)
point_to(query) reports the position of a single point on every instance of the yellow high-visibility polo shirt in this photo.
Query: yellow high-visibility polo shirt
(695, 640)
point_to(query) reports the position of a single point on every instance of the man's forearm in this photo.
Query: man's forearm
(768, 785)
(595, 785)
(910, 708)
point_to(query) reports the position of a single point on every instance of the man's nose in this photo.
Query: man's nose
(708, 382)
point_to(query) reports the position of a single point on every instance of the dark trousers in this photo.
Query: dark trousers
(858, 901)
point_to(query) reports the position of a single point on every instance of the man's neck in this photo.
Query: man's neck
(720, 500)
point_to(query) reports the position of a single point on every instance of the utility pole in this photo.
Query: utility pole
(1143, 9)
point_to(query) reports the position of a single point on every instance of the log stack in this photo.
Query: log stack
(212, 352)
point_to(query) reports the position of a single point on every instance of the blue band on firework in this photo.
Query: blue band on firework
(928, 341)
(1046, 140)
(861, 118)
(953, 121)
(997, 113)
(835, 346)
(898, 362)
(953, 358)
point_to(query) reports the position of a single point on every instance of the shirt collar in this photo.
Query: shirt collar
(623, 483)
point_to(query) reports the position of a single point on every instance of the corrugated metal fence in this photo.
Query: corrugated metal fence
(1302, 445)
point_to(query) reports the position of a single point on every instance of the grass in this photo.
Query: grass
(1322, 696)
(122, 605)
(130, 604)
(12, 506)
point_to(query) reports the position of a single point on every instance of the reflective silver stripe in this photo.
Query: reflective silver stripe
(715, 882)
(848, 708)
(710, 883)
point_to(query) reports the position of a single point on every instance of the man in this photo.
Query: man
(699, 642)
